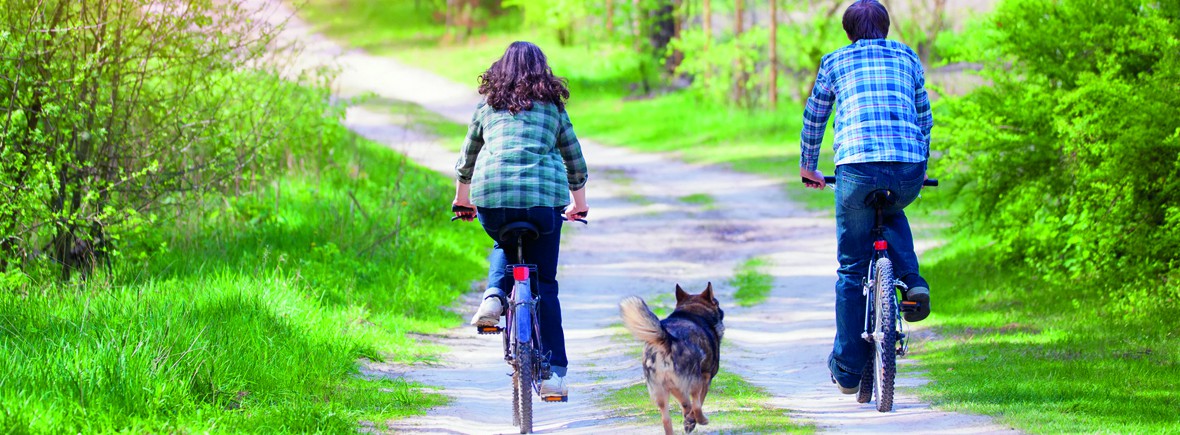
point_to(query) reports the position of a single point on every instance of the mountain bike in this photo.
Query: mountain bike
(521, 331)
(884, 325)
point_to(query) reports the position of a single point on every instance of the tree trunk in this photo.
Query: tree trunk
(610, 15)
(773, 94)
(740, 78)
(707, 22)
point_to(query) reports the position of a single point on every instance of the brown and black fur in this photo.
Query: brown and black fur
(682, 353)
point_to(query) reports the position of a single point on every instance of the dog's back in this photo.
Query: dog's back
(682, 352)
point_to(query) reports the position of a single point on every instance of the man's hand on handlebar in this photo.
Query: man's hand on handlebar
(812, 178)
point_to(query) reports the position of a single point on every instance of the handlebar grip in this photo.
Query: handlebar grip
(460, 209)
(579, 215)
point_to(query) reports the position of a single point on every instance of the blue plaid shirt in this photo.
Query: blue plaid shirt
(882, 110)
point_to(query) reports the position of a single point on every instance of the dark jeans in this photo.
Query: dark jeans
(854, 224)
(542, 252)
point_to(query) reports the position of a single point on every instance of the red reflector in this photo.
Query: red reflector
(880, 245)
(520, 273)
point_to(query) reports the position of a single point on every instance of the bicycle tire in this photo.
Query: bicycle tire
(885, 324)
(511, 351)
(524, 386)
(866, 381)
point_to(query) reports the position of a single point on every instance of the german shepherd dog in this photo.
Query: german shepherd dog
(682, 353)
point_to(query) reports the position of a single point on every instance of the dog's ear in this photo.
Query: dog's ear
(681, 295)
(708, 294)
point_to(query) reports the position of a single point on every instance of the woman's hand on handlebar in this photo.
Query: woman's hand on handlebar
(812, 178)
(576, 212)
(463, 210)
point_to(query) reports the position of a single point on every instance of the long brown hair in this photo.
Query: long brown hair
(520, 77)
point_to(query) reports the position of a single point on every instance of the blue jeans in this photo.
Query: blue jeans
(854, 238)
(542, 252)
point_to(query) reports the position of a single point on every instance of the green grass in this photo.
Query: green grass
(753, 285)
(732, 406)
(698, 198)
(421, 120)
(1011, 347)
(381, 26)
(249, 314)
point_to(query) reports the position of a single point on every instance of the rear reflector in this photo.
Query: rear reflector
(520, 273)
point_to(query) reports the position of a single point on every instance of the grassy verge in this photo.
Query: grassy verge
(753, 285)
(733, 406)
(1008, 347)
(248, 314)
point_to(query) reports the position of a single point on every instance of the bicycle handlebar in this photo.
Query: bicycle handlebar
(462, 209)
(829, 179)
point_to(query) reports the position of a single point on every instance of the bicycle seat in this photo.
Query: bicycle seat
(524, 230)
(881, 198)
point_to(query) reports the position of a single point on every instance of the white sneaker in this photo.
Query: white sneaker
(554, 387)
(489, 312)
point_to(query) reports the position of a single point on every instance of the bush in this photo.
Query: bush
(1072, 157)
(115, 111)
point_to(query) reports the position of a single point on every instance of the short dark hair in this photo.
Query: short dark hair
(520, 77)
(866, 19)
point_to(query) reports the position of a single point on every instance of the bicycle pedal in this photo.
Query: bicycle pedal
(909, 306)
(486, 330)
(555, 399)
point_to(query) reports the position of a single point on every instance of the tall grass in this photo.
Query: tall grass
(1012, 346)
(248, 314)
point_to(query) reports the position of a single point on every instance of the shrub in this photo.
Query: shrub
(1072, 157)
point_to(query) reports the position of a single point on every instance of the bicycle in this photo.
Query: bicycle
(884, 324)
(521, 331)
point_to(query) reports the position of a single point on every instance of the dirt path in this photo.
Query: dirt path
(642, 240)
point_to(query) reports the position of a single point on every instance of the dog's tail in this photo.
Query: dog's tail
(642, 323)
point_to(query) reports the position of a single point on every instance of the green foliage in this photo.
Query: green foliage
(1072, 157)
(118, 111)
(381, 26)
(248, 313)
(1008, 345)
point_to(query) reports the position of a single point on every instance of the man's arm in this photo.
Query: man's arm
(815, 120)
(922, 105)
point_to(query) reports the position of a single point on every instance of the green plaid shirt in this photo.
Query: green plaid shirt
(531, 159)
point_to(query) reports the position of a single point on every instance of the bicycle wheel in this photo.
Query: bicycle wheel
(523, 386)
(885, 335)
(866, 381)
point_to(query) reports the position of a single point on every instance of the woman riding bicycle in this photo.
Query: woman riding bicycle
(882, 141)
(522, 162)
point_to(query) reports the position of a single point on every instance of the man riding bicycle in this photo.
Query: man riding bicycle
(882, 141)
